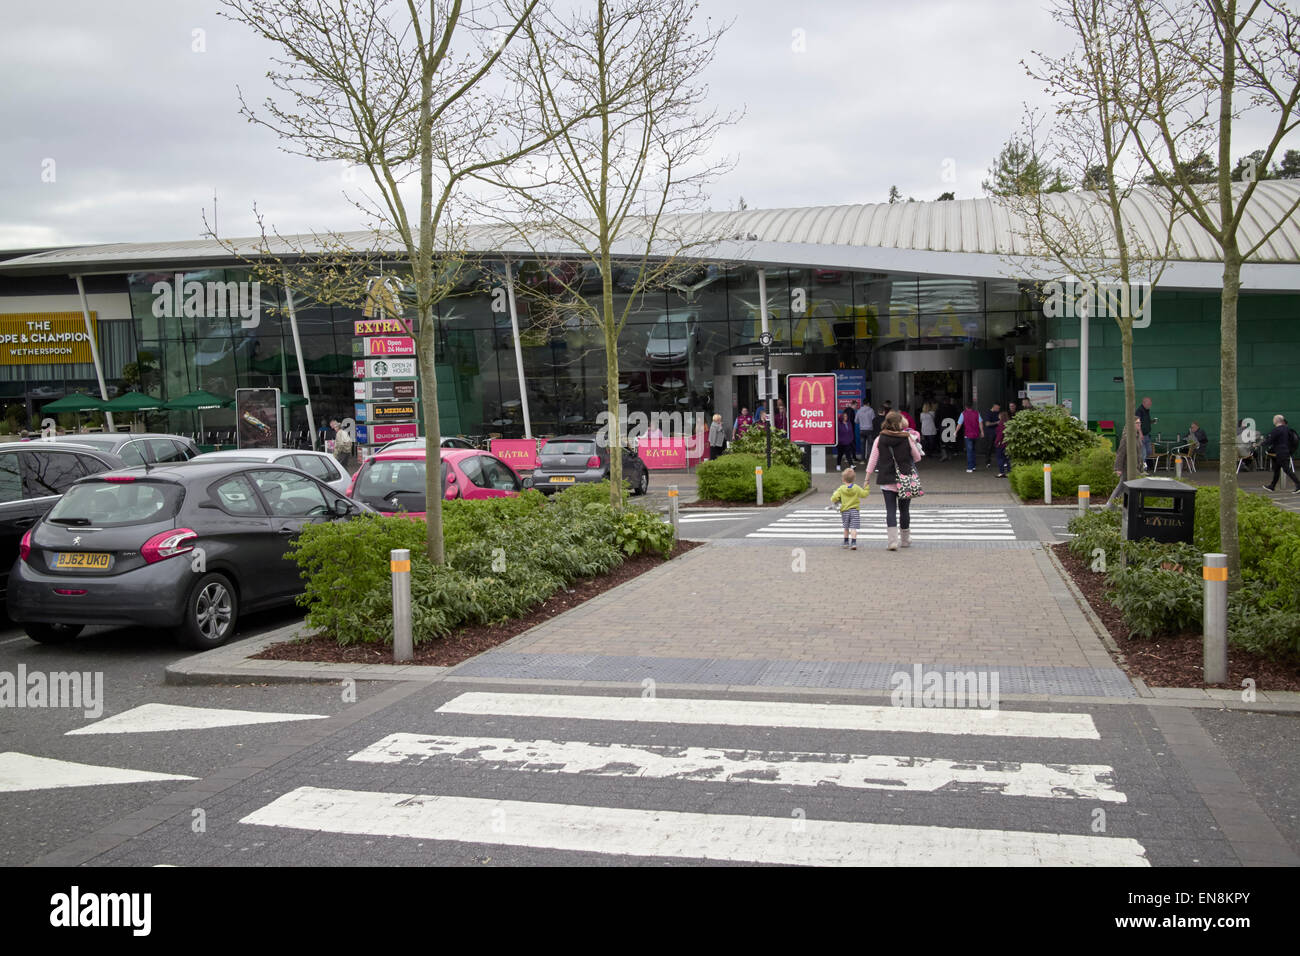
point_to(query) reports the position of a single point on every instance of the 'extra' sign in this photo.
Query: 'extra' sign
(516, 452)
(811, 401)
(386, 345)
(378, 326)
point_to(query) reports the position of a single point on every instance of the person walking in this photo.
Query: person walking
(1121, 460)
(345, 448)
(929, 433)
(717, 438)
(849, 497)
(779, 420)
(1281, 445)
(743, 423)
(857, 429)
(1000, 444)
(844, 439)
(895, 449)
(866, 419)
(972, 429)
(990, 420)
(1144, 414)
(946, 412)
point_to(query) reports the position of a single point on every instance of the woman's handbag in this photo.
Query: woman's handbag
(909, 483)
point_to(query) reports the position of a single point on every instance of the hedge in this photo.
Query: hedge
(731, 478)
(1093, 466)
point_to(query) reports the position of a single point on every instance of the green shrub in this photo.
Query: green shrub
(591, 492)
(754, 442)
(1046, 434)
(640, 532)
(731, 478)
(1155, 601)
(1256, 627)
(1096, 529)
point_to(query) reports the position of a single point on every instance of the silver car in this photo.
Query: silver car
(319, 465)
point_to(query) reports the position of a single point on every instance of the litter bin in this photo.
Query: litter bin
(805, 455)
(1158, 509)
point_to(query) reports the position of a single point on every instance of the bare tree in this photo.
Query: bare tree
(1116, 259)
(1203, 66)
(617, 185)
(399, 90)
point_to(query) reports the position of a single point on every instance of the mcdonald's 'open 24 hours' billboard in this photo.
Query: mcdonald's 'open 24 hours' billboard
(811, 401)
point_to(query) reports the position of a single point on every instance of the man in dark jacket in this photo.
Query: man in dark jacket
(1280, 446)
(1121, 460)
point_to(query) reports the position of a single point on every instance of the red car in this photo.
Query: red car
(393, 481)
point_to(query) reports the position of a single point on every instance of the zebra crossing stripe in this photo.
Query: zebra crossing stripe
(917, 774)
(762, 713)
(674, 834)
(967, 524)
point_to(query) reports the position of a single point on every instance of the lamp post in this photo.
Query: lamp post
(765, 340)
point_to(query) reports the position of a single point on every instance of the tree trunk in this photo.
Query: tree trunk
(612, 395)
(1128, 435)
(1228, 542)
(426, 346)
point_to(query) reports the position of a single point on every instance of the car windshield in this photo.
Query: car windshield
(112, 504)
(675, 330)
(569, 448)
(394, 485)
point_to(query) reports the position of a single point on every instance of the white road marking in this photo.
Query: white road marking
(877, 772)
(966, 524)
(761, 713)
(674, 834)
(15, 640)
(25, 772)
(150, 718)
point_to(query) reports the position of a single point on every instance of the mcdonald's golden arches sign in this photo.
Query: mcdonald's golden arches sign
(810, 400)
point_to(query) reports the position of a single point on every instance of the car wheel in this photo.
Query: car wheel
(210, 612)
(53, 633)
(643, 485)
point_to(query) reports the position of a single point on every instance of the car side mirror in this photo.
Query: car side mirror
(342, 508)
(527, 482)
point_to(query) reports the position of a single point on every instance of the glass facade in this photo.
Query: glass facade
(667, 349)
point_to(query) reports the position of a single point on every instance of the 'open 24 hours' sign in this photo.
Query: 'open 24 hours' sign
(810, 400)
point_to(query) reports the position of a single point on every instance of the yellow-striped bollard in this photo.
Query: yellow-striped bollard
(1047, 483)
(758, 482)
(672, 508)
(1085, 498)
(399, 563)
(1215, 618)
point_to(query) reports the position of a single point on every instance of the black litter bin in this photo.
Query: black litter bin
(805, 455)
(1158, 509)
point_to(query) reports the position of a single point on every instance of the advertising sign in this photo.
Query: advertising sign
(378, 326)
(1039, 394)
(390, 413)
(850, 387)
(388, 368)
(257, 412)
(662, 452)
(384, 345)
(811, 402)
(518, 453)
(390, 391)
(43, 338)
(383, 434)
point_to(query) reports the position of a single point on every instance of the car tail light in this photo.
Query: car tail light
(593, 461)
(25, 546)
(121, 479)
(453, 492)
(70, 592)
(168, 544)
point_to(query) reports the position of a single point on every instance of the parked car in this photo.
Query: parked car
(137, 448)
(393, 481)
(420, 443)
(32, 477)
(569, 459)
(319, 465)
(673, 336)
(188, 545)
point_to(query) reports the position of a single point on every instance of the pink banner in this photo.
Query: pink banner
(671, 452)
(382, 345)
(383, 434)
(811, 401)
(519, 453)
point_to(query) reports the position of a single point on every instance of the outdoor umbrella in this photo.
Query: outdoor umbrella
(198, 401)
(77, 402)
(289, 400)
(134, 402)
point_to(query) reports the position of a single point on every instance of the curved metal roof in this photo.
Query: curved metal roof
(964, 237)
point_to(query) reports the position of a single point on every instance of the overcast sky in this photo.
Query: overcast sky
(843, 98)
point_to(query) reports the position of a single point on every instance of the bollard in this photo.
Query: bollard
(399, 562)
(1215, 573)
(1047, 483)
(1085, 498)
(1178, 467)
(672, 508)
(758, 481)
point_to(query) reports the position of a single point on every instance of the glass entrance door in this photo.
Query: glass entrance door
(922, 387)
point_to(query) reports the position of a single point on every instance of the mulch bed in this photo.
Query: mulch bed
(467, 642)
(1172, 661)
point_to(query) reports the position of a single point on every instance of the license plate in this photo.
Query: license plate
(96, 560)
(556, 480)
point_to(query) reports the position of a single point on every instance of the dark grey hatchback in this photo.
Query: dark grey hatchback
(188, 546)
(569, 459)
